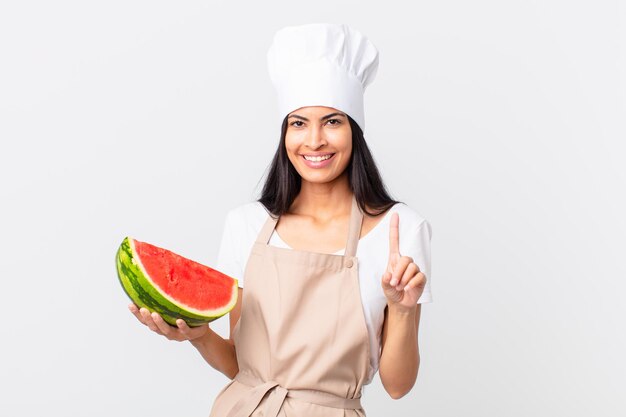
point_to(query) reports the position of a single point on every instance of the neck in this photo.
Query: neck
(324, 201)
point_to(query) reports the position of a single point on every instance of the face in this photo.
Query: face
(315, 132)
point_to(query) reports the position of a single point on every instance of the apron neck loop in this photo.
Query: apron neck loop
(356, 220)
(354, 231)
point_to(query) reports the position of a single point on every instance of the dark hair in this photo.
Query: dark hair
(283, 182)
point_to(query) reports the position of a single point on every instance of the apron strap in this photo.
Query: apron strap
(268, 227)
(354, 231)
(356, 219)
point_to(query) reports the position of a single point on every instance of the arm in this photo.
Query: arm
(400, 360)
(403, 284)
(217, 351)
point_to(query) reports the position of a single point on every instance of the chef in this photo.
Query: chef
(334, 269)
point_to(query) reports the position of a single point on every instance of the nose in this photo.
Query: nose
(315, 138)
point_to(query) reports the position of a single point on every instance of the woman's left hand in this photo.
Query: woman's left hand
(402, 282)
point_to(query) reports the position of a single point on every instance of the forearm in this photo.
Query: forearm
(218, 352)
(399, 361)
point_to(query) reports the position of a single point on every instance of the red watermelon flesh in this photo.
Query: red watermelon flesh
(183, 280)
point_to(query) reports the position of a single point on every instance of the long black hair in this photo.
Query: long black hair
(283, 182)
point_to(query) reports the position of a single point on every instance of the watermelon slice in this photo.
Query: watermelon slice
(173, 286)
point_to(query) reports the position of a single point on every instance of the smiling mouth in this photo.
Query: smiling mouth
(318, 158)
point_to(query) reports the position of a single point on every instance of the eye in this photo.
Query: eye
(334, 120)
(294, 123)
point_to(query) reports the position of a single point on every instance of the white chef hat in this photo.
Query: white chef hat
(322, 64)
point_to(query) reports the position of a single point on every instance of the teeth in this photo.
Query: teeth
(317, 158)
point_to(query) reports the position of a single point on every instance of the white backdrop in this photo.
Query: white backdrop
(500, 122)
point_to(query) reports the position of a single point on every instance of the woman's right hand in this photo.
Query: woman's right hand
(156, 323)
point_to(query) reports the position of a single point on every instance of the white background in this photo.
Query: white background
(500, 122)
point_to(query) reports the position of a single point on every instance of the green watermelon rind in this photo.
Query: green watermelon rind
(141, 290)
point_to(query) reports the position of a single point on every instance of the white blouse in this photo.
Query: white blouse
(243, 224)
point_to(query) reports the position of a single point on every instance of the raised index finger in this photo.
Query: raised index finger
(394, 234)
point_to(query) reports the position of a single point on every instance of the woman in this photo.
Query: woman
(316, 321)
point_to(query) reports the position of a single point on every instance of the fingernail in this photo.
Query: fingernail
(393, 281)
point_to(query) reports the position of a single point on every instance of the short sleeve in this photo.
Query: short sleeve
(228, 258)
(419, 249)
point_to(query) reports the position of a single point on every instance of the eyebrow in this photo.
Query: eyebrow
(321, 118)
